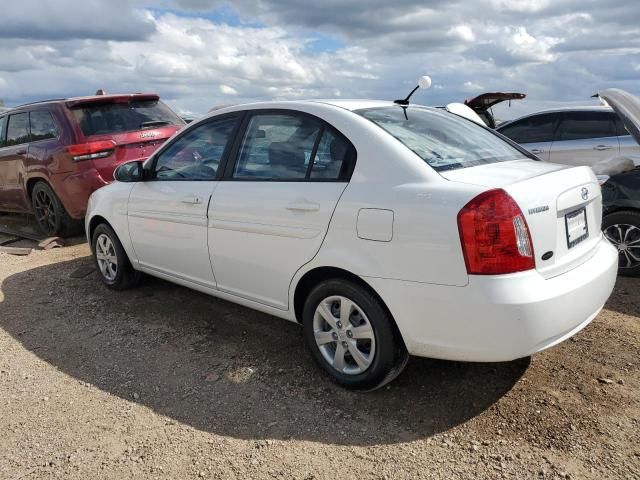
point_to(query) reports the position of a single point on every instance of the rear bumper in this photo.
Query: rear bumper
(74, 190)
(500, 318)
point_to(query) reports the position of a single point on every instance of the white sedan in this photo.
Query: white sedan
(384, 229)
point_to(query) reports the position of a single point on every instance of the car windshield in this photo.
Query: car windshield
(443, 140)
(105, 118)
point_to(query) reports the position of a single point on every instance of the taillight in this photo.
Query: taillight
(494, 235)
(92, 150)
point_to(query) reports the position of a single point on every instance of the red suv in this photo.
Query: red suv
(54, 154)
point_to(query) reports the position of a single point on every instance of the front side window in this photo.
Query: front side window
(277, 147)
(443, 140)
(533, 129)
(197, 154)
(18, 129)
(42, 125)
(585, 125)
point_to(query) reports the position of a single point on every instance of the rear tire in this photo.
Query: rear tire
(622, 229)
(111, 260)
(52, 218)
(351, 335)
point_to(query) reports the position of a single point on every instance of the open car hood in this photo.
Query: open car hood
(626, 106)
(488, 100)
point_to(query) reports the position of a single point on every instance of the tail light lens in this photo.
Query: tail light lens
(92, 150)
(495, 236)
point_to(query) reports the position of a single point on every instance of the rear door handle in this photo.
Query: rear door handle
(602, 147)
(536, 151)
(21, 152)
(303, 207)
(192, 200)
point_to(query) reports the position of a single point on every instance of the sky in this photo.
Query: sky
(200, 53)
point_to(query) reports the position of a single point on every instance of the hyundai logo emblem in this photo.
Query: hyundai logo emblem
(585, 193)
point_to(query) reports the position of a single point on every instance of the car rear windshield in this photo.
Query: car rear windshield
(106, 118)
(443, 140)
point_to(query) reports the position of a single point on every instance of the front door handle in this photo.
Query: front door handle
(602, 147)
(192, 200)
(303, 207)
(21, 152)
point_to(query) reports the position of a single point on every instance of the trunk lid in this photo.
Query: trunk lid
(487, 100)
(130, 146)
(626, 106)
(555, 201)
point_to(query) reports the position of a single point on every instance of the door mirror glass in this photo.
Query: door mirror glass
(129, 172)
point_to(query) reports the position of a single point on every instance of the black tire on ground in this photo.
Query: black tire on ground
(629, 222)
(51, 216)
(125, 275)
(390, 355)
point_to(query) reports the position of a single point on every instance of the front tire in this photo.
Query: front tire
(623, 230)
(351, 335)
(111, 260)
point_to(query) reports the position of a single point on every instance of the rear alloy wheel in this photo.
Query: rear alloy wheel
(351, 335)
(111, 260)
(50, 214)
(622, 229)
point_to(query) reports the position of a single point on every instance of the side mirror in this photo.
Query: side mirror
(129, 172)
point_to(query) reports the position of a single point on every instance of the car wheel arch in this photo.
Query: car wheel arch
(93, 224)
(313, 277)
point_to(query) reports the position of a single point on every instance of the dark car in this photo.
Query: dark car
(55, 153)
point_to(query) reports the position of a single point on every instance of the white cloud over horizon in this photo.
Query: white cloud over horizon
(199, 53)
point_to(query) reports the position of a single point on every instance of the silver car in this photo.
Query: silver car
(573, 136)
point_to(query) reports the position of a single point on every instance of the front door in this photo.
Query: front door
(168, 212)
(13, 151)
(270, 216)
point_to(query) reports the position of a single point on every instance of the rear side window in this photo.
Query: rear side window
(534, 129)
(107, 118)
(333, 158)
(277, 147)
(584, 125)
(42, 125)
(18, 129)
(3, 125)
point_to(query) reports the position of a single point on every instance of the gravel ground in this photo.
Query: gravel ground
(164, 382)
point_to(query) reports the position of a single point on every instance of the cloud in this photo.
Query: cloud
(198, 53)
(68, 19)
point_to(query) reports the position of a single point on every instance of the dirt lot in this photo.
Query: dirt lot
(164, 382)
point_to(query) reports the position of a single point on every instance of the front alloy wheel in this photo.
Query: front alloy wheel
(106, 257)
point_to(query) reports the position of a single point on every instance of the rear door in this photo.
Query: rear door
(12, 156)
(585, 138)
(270, 214)
(535, 133)
(168, 213)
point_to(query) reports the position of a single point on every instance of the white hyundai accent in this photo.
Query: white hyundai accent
(384, 229)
